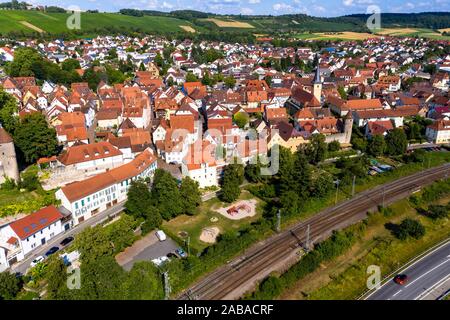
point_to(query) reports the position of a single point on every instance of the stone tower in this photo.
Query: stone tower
(317, 84)
(348, 126)
(8, 161)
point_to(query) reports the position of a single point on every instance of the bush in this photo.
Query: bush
(438, 212)
(334, 146)
(409, 228)
(30, 181)
(9, 184)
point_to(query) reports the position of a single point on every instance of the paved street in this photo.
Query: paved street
(23, 265)
(424, 276)
(146, 249)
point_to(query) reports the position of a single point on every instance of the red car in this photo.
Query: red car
(401, 279)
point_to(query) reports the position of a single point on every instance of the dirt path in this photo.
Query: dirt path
(29, 25)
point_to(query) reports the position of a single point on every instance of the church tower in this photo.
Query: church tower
(317, 84)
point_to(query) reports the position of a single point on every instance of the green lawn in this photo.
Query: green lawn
(194, 225)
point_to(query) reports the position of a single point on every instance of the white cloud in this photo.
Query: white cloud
(254, 1)
(246, 11)
(282, 7)
(167, 5)
(347, 3)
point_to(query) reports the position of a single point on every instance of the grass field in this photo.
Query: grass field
(345, 277)
(13, 20)
(194, 225)
(346, 35)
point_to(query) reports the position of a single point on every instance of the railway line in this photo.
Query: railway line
(262, 258)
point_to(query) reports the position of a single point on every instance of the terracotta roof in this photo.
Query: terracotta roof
(380, 127)
(4, 136)
(88, 152)
(360, 104)
(81, 189)
(35, 222)
(182, 122)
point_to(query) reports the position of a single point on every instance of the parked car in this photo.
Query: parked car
(401, 279)
(161, 235)
(66, 241)
(160, 261)
(180, 252)
(38, 259)
(51, 251)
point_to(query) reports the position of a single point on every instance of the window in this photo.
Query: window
(76, 205)
(82, 203)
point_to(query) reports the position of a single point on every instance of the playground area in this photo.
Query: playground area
(204, 228)
(209, 234)
(240, 210)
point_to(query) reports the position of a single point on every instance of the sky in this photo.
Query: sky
(321, 8)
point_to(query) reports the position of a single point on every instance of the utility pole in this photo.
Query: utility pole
(166, 285)
(353, 186)
(278, 220)
(308, 247)
(188, 245)
(337, 191)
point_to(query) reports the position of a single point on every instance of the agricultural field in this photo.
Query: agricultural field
(34, 21)
(412, 32)
(346, 35)
(230, 23)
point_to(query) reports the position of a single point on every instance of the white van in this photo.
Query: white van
(161, 235)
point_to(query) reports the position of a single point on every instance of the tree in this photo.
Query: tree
(102, 279)
(396, 142)
(290, 202)
(342, 92)
(10, 286)
(438, 212)
(8, 111)
(166, 195)
(376, 145)
(93, 243)
(143, 282)
(241, 119)
(35, 138)
(409, 228)
(233, 176)
(323, 184)
(316, 150)
(190, 77)
(70, 65)
(190, 195)
(334, 146)
(56, 276)
(229, 82)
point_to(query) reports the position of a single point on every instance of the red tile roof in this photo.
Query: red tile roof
(35, 222)
(81, 189)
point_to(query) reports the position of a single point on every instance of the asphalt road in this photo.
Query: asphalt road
(426, 274)
(23, 265)
(155, 250)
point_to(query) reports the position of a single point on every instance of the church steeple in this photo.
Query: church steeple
(317, 78)
(317, 83)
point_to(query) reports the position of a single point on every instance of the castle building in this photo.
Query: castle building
(8, 160)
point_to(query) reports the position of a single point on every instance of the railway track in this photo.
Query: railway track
(261, 258)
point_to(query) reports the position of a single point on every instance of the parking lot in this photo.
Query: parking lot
(145, 249)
